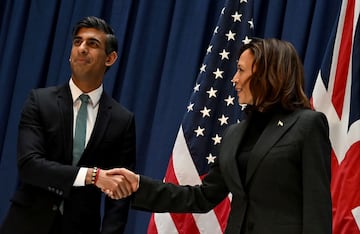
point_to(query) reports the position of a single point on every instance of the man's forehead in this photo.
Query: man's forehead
(91, 33)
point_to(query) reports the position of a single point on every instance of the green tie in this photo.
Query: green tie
(80, 129)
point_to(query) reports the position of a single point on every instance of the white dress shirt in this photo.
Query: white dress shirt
(92, 108)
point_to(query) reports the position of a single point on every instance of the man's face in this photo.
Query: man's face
(88, 58)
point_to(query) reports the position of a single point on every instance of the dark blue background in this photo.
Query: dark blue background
(162, 44)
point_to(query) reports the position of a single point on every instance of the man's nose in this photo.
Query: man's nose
(83, 47)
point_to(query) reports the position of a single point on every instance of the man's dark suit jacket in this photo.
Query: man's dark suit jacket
(45, 171)
(287, 185)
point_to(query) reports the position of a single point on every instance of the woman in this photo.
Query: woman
(276, 163)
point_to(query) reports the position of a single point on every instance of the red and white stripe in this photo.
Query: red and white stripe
(334, 101)
(181, 170)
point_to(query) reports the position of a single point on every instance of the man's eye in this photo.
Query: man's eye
(93, 44)
(77, 42)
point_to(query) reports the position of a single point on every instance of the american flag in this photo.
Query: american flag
(337, 94)
(212, 107)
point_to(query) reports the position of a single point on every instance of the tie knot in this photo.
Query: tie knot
(84, 98)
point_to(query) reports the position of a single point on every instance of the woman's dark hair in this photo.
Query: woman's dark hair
(99, 24)
(278, 77)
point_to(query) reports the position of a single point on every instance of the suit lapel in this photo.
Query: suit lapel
(65, 104)
(230, 148)
(275, 129)
(102, 120)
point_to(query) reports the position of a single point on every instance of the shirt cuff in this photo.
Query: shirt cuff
(80, 178)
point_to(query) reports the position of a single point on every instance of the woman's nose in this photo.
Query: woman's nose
(234, 79)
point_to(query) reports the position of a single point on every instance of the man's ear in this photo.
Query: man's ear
(111, 59)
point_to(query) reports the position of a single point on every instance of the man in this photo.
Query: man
(59, 193)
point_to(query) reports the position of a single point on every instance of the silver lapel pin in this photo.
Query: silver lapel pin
(280, 123)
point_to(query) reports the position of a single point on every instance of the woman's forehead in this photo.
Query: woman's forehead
(246, 57)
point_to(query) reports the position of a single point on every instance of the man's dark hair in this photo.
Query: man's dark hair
(100, 24)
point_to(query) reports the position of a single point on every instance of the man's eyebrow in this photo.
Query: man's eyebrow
(90, 39)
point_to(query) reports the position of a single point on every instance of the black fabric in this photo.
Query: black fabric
(257, 123)
(161, 47)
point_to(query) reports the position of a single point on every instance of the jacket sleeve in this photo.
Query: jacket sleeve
(38, 165)
(316, 167)
(157, 196)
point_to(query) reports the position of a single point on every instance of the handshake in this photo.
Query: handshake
(116, 183)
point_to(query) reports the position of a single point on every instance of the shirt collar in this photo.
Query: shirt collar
(94, 95)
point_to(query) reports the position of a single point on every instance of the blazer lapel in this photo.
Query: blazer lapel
(102, 120)
(275, 129)
(230, 148)
(65, 104)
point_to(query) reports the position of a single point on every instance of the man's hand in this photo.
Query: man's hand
(131, 178)
(117, 184)
(114, 185)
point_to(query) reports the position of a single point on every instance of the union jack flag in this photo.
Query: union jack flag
(337, 94)
(212, 107)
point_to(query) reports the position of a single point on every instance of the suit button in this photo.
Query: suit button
(54, 207)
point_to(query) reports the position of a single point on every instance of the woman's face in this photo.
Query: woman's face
(241, 78)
